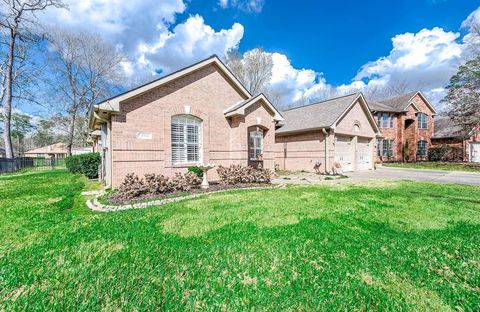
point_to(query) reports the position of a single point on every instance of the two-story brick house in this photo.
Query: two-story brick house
(406, 124)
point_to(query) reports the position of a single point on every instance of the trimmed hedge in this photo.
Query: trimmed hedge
(86, 164)
(445, 153)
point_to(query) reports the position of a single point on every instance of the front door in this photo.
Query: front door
(475, 152)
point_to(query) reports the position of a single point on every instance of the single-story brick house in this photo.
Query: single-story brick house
(449, 133)
(317, 136)
(199, 114)
(406, 124)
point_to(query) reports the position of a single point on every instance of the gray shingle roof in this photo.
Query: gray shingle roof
(380, 107)
(399, 102)
(315, 116)
(395, 104)
(445, 128)
(236, 106)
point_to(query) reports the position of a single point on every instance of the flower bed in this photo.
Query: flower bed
(136, 190)
(116, 198)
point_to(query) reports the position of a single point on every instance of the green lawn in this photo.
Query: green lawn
(471, 167)
(381, 246)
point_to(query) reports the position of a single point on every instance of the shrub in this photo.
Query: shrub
(445, 153)
(89, 164)
(236, 174)
(86, 164)
(132, 186)
(198, 172)
(73, 164)
(156, 184)
(184, 182)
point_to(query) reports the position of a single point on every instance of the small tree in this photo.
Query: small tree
(406, 152)
(86, 69)
(16, 20)
(253, 69)
(463, 95)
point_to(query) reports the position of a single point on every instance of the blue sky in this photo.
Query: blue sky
(334, 37)
(319, 48)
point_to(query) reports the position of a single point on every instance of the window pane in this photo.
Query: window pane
(186, 141)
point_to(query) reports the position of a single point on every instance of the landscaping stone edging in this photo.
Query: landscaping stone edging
(95, 205)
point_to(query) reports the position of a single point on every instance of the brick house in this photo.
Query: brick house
(321, 136)
(406, 125)
(467, 140)
(199, 114)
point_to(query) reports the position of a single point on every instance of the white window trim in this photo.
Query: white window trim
(256, 133)
(185, 162)
(419, 121)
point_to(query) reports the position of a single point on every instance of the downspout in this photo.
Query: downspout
(325, 132)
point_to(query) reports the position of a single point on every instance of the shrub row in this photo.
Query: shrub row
(237, 174)
(157, 184)
(86, 164)
(445, 153)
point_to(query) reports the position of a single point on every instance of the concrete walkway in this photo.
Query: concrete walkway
(472, 178)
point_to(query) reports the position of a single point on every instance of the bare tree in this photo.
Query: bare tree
(253, 69)
(16, 20)
(85, 70)
(463, 95)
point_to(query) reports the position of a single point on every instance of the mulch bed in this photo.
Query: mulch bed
(117, 198)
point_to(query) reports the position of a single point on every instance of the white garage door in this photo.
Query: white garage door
(343, 152)
(364, 154)
(475, 152)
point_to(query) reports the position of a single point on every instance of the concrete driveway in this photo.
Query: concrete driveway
(441, 176)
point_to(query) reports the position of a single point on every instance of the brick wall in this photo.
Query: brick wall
(204, 94)
(411, 134)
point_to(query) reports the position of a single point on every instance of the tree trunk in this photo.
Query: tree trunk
(7, 112)
(71, 132)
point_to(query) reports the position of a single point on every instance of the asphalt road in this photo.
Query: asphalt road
(384, 173)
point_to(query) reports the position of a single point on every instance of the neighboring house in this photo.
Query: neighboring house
(406, 124)
(56, 150)
(316, 136)
(3, 153)
(448, 133)
(199, 114)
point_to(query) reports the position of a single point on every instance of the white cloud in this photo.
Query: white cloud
(426, 59)
(254, 6)
(192, 40)
(143, 31)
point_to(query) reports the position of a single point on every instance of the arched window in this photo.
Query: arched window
(186, 139)
(256, 144)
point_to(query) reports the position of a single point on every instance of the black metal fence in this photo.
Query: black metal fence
(8, 165)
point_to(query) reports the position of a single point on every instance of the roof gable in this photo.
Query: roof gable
(399, 103)
(113, 104)
(240, 107)
(325, 114)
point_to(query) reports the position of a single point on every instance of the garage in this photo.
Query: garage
(475, 152)
(364, 154)
(344, 152)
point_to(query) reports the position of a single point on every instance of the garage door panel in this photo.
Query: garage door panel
(343, 152)
(364, 154)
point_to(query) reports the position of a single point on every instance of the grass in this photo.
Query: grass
(382, 246)
(470, 167)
